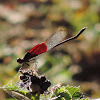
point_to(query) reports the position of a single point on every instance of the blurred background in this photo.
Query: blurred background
(25, 23)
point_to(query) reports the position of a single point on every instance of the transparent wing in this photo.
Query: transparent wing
(55, 39)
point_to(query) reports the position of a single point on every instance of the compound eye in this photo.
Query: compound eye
(19, 60)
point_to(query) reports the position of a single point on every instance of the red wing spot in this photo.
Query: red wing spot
(38, 49)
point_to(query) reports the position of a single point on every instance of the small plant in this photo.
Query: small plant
(32, 86)
(55, 93)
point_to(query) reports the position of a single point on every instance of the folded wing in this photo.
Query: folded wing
(55, 39)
